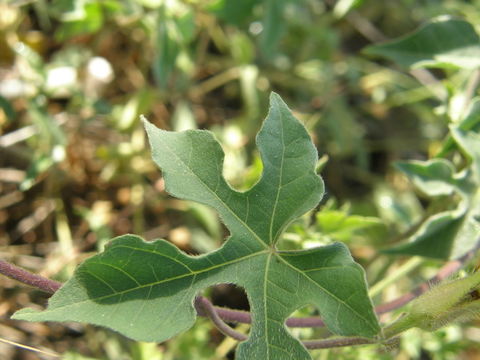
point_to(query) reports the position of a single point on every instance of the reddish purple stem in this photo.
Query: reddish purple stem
(26, 277)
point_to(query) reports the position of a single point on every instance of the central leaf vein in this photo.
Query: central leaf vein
(225, 205)
(155, 283)
(279, 185)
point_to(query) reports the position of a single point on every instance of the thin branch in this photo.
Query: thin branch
(26, 277)
(365, 27)
(215, 81)
(30, 348)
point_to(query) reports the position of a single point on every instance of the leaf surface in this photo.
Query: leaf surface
(145, 290)
(341, 226)
(451, 233)
(443, 42)
(433, 177)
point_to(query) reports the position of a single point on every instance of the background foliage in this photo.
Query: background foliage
(75, 169)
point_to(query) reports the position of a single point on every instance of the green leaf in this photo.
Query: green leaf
(443, 42)
(448, 234)
(435, 238)
(471, 121)
(273, 26)
(81, 17)
(469, 143)
(432, 177)
(343, 7)
(233, 11)
(167, 48)
(7, 109)
(145, 290)
(341, 226)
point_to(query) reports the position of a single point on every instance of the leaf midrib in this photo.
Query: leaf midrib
(280, 178)
(226, 206)
(191, 273)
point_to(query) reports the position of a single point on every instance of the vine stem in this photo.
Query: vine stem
(206, 305)
(26, 277)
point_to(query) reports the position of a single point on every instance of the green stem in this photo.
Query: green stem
(399, 273)
(402, 324)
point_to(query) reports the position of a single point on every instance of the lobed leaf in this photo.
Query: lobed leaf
(145, 290)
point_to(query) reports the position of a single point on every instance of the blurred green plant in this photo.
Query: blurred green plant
(76, 75)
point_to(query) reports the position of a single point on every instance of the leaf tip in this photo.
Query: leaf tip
(276, 100)
(145, 121)
(149, 127)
